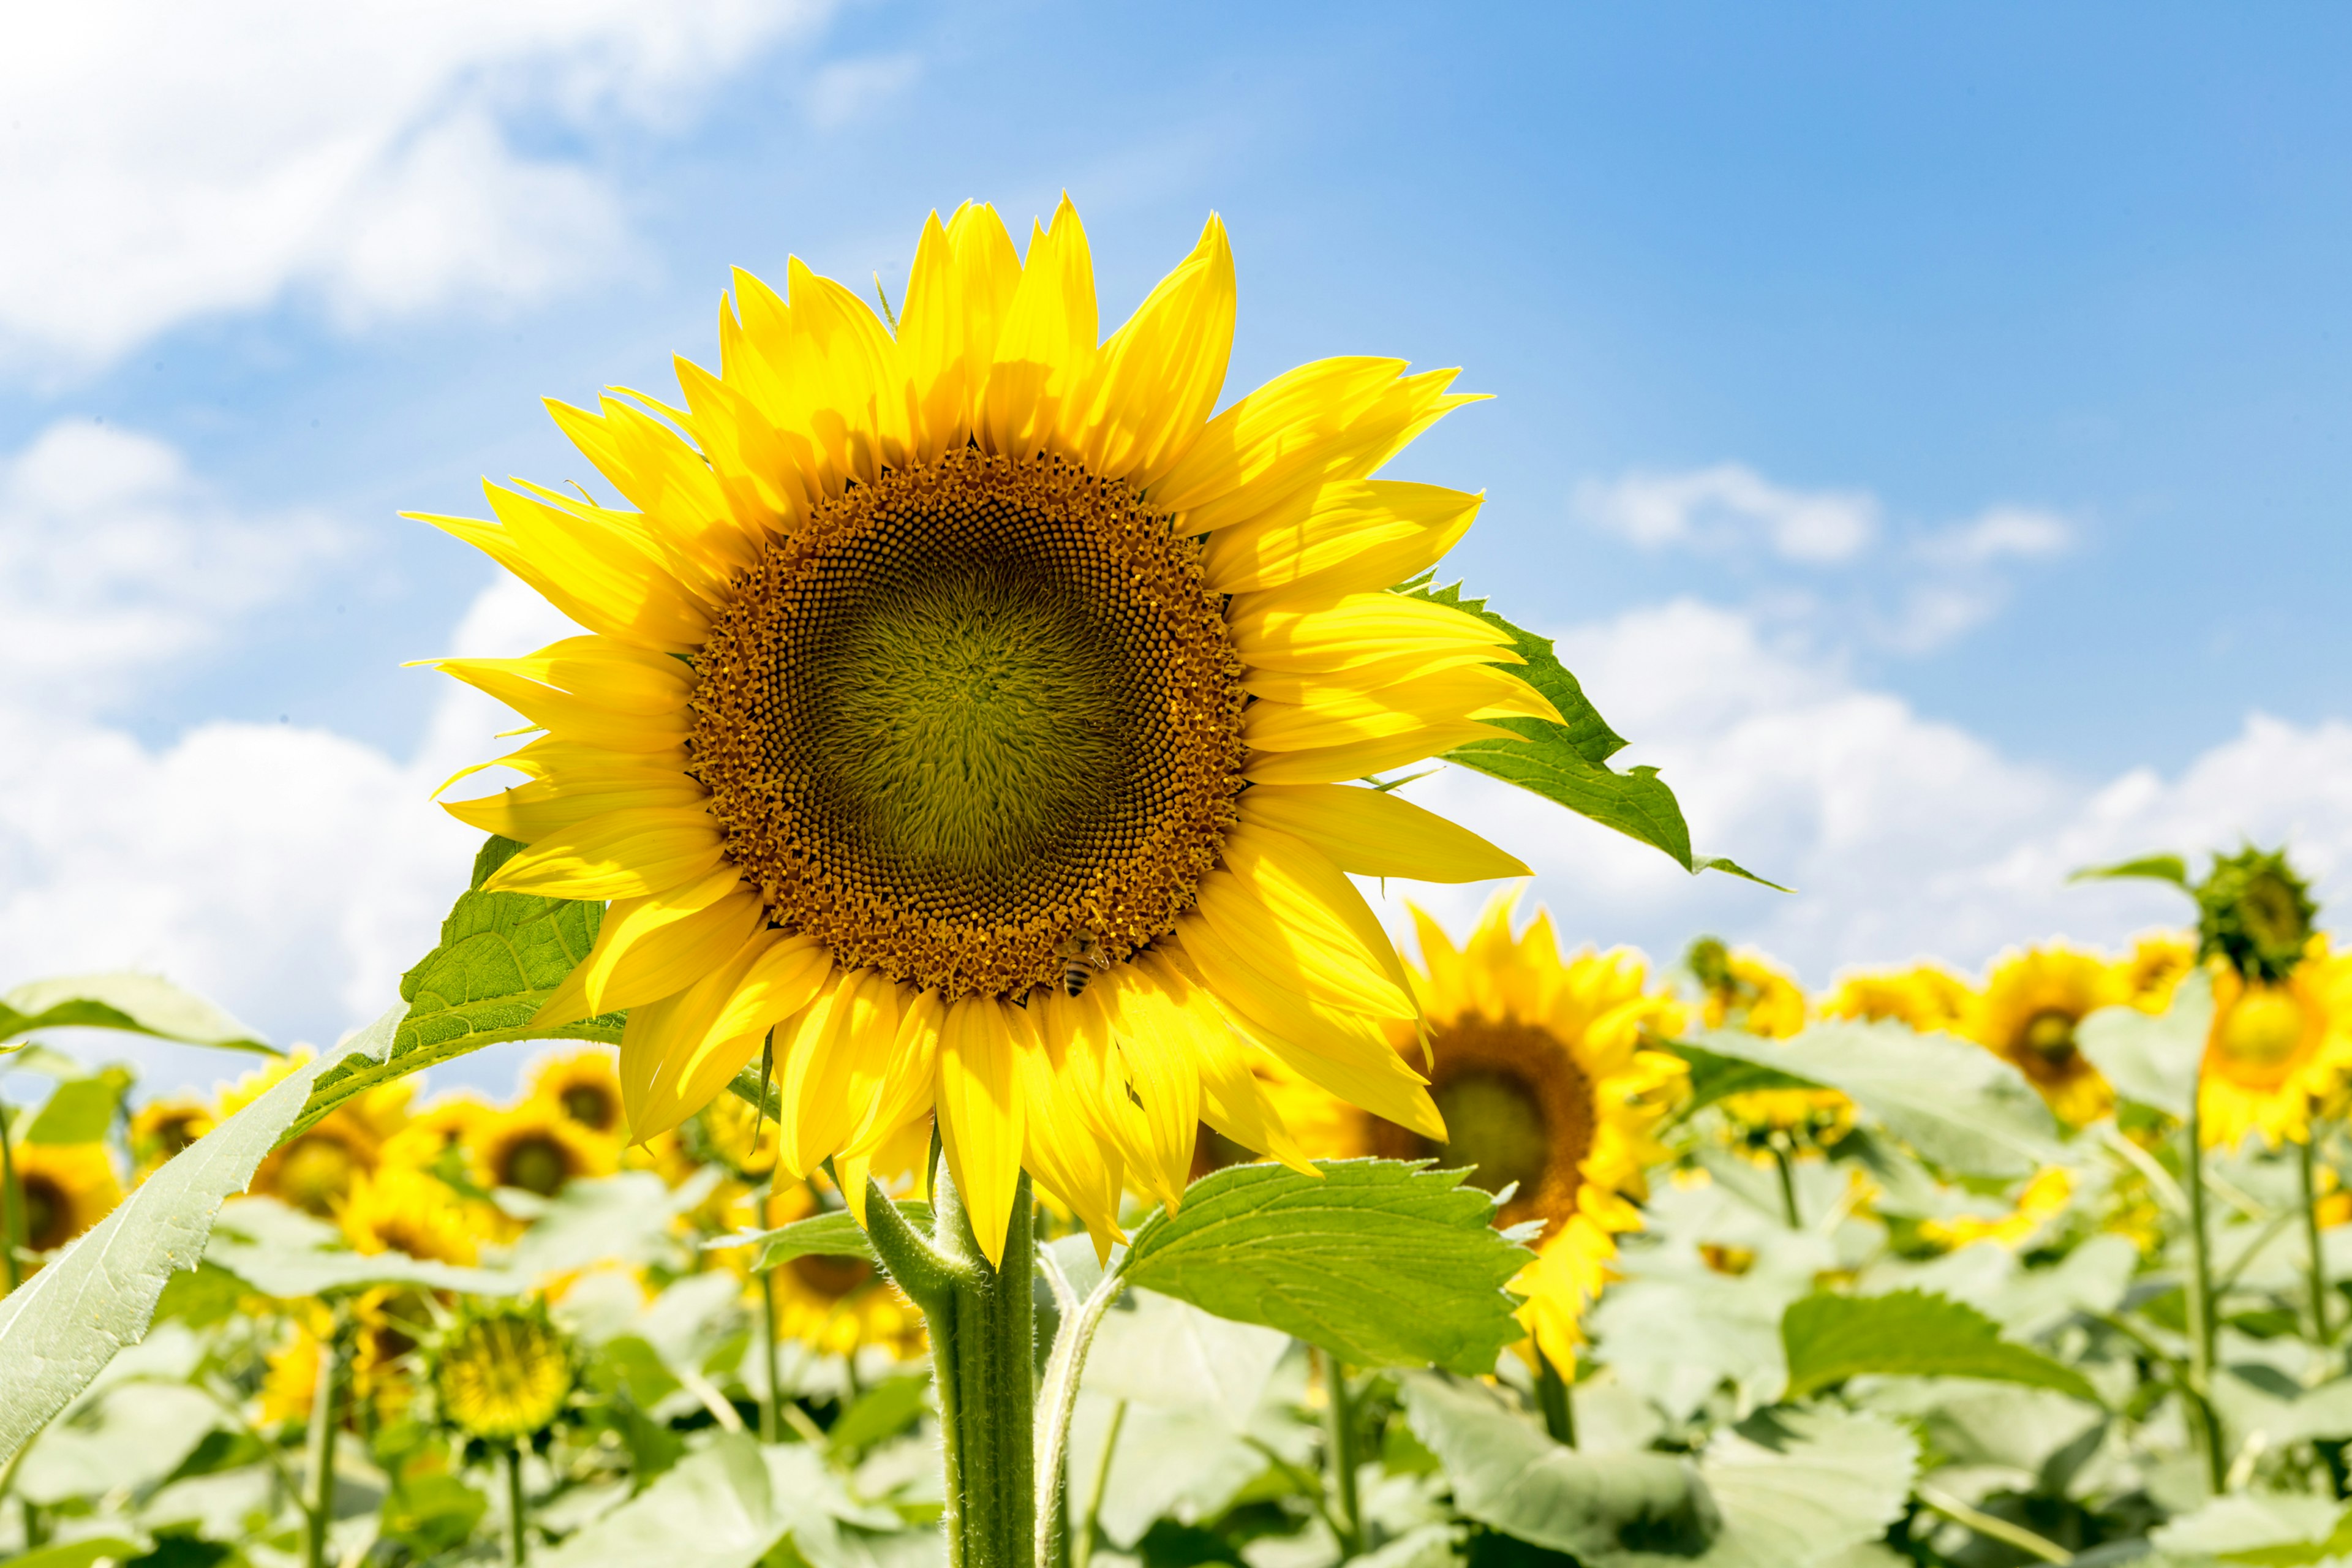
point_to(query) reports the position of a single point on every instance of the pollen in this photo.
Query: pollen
(969, 713)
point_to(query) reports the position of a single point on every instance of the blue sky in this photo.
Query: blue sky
(1923, 427)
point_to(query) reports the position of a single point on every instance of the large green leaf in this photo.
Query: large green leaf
(59, 1329)
(725, 1506)
(81, 1110)
(1830, 1337)
(1714, 1077)
(500, 955)
(1510, 1476)
(1380, 1262)
(1568, 763)
(291, 1273)
(2152, 1057)
(834, 1235)
(139, 1004)
(1957, 1105)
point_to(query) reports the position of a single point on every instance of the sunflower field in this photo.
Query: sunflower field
(981, 1119)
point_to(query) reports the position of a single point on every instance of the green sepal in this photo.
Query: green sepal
(1568, 763)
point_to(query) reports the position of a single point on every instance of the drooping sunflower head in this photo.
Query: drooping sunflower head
(2032, 1003)
(536, 1148)
(501, 1371)
(965, 706)
(398, 1208)
(2275, 1049)
(64, 1189)
(2255, 913)
(1927, 997)
(161, 1128)
(582, 1085)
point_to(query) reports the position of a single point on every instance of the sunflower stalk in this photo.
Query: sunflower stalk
(1339, 1439)
(2314, 1259)
(319, 1510)
(2202, 1327)
(515, 1540)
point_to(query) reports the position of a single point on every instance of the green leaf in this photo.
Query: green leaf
(81, 1553)
(1380, 1263)
(1957, 1105)
(886, 1409)
(834, 1235)
(2156, 867)
(1910, 1333)
(137, 1004)
(1714, 1076)
(501, 956)
(2337, 1542)
(1568, 763)
(2153, 1058)
(2275, 1528)
(81, 1110)
(60, 1328)
(290, 1273)
(735, 1500)
(1797, 1488)
(1509, 1476)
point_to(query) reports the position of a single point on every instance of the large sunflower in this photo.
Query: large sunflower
(964, 704)
(64, 1188)
(2032, 1003)
(1538, 1067)
(2275, 1050)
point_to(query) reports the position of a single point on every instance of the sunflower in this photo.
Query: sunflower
(440, 1129)
(1927, 997)
(582, 1085)
(314, 1170)
(2042, 1199)
(2032, 1003)
(1746, 990)
(2158, 962)
(1538, 1067)
(965, 706)
(161, 1128)
(501, 1371)
(398, 1208)
(536, 1148)
(833, 1305)
(2274, 1048)
(64, 1188)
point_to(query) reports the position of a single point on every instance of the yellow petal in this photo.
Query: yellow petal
(830, 1068)
(649, 608)
(957, 297)
(859, 396)
(673, 1061)
(1061, 1149)
(620, 855)
(982, 1115)
(1316, 907)
(668, 481)
(534, 811)
(1351, 536)
(1158, 376)
(1047, 352)
(1341, 712)
(908, 1082)
(648, 949)
(1232, 1097)
(1371, 832)
(1359, 629)
(1155, 1046)
(751, 461)
(1361, 759)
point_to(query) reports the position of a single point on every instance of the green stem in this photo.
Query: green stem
(12, 1204)
(1552, 1394)
(1082, 1545)
(2201, 1329)
(983, 1336)
(1339, 1438)
(320, 1510)
(1788, 1189)
(1994, 1528)
(515, 1541)
(772, 1410)
(2313, 1258)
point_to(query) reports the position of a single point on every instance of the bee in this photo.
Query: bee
(1081, 955)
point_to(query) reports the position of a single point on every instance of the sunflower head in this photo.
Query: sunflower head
(835, 1305)
(2154, 969)
(2275, 1050)
(1927, 997)
(2042, 1199)
(2254, 911)
(582, 1085)
(501, 1371)
(398, 1208)
(64, 1189)
(1745, 990)
(966, 712)
(536, 1148)
(161, 1128)
(2032, 1003)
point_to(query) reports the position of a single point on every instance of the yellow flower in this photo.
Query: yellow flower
(64, 1189)
(2032, 1003)
(1538, 1067)
(582, 1085)
(537, 1148)
(398, 1208)
(440, 1127)
(502, 1371)
(1926, 996)
(924, 679)
(291, 1379)
(161, 1128)
(832, 1304)
(730, 1132)
(1746, 990)
(2158, 962)
(2274, 1048)
(314, 1170)
(2044, 1199)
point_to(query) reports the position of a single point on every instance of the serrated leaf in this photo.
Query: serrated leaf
(59, 1329)
(500, 957)
(1568, 763)
(1956, 1104)
(1380, 1262)
(136, 1003)
(1714, 1077)
(2154, 868)
(834, 1235)
(1510, 1476)
(1829, 1337)
(2153, 1058)
(81, 1110)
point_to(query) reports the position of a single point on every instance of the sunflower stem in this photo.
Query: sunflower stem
(319, 1512)
(1339, 1439)
(515, 1539)
(1082, 1540)
(1552, 1394)
(2314, 1260)
(12, 1203)
(1789, 1209)
(983, 1361)
(2201, 1335)
(771, 1409)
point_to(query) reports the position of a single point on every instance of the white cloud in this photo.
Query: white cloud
(1904, 835)
(2001, 532)
(1723, 505)
(169, 161)
(845, 90)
